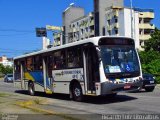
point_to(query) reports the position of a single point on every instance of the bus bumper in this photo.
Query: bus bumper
(110, 88)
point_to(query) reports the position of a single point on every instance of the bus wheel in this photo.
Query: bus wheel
(31, 89)
(77, 92)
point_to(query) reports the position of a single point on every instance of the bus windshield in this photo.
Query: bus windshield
(121, 61)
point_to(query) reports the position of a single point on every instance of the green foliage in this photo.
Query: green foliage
(5, 70)
(150, 58)
(147, 57)
(153, 43)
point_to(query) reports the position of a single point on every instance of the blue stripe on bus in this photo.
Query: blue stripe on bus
(38, 77)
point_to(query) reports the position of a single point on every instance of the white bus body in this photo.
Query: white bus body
(95, 66)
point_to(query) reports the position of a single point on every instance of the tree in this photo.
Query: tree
(150, 58)
(5, 70)
(153, 43)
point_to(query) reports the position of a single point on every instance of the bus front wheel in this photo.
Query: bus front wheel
(77, 92)
(31, 89)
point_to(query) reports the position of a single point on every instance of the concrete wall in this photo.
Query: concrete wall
(69, 15)
(100, 6)
(125, 25)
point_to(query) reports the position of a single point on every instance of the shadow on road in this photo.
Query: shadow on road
(108, 99)
(87, 99)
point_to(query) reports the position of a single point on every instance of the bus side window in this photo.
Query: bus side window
(37, 63)
(17, 70)
(59, 60)
(29, 64)
(74, 57)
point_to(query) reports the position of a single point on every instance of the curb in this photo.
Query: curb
(158, 86)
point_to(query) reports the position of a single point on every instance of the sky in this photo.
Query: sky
(19, 18)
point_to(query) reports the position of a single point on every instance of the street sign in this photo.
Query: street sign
(49, 27)
(41, 32)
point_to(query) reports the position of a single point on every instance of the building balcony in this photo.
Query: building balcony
(56, 36)
(91, 23)
(146, 26)
(74, 29)
(144, 37)
(86, 35)
(57, 43)
(146, 15)
(91, 33)
(108, 27)
(115, 13)
(115, 25)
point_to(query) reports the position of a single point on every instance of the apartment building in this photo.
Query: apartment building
(135, 23)
(70, 14)
(145, 25)
(109, 18)
(82, 28)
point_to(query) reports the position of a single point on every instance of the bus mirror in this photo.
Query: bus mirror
(99, 54)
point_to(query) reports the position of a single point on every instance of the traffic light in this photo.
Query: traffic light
(41, 32)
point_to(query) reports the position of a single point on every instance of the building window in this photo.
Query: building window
(104, 32)
(109, 22)
(116, 31)
(109, 32)
(81, 31)
(116, 20)
(86, 29)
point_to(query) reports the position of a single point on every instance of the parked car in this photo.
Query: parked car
(8, 78)
(148, 82)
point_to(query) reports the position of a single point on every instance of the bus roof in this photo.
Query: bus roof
(93, 40)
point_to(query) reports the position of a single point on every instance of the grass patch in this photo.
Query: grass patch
(3, 95)
(37, 101)
(31, 104)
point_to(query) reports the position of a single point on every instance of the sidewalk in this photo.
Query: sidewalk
(32, 108)
(21, 107)
(158, 86)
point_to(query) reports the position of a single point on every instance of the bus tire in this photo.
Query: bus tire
(31, 89)
(77, 92)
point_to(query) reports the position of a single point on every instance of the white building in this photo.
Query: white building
(112, 20)
(134, 23)
(6, 61)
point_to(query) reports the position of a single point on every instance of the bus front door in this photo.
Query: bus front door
(90, 66)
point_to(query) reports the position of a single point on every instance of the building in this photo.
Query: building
(82, 28)
(109, 18)
(70, 14)
(99, 11)
(134, 23)
(6, 61)
(145, 25)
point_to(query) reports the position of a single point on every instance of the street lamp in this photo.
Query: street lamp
(131, 18)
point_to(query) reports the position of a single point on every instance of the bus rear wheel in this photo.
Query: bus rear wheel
(77, 92)
(31, 89)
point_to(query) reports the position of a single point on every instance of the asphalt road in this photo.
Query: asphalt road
(124, 103)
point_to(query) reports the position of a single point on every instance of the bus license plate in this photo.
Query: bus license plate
(127, 87)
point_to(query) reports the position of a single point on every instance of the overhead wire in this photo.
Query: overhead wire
(21, 32)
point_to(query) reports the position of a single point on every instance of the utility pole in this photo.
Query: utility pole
(131, 18)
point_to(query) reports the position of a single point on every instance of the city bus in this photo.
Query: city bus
(95, 66)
